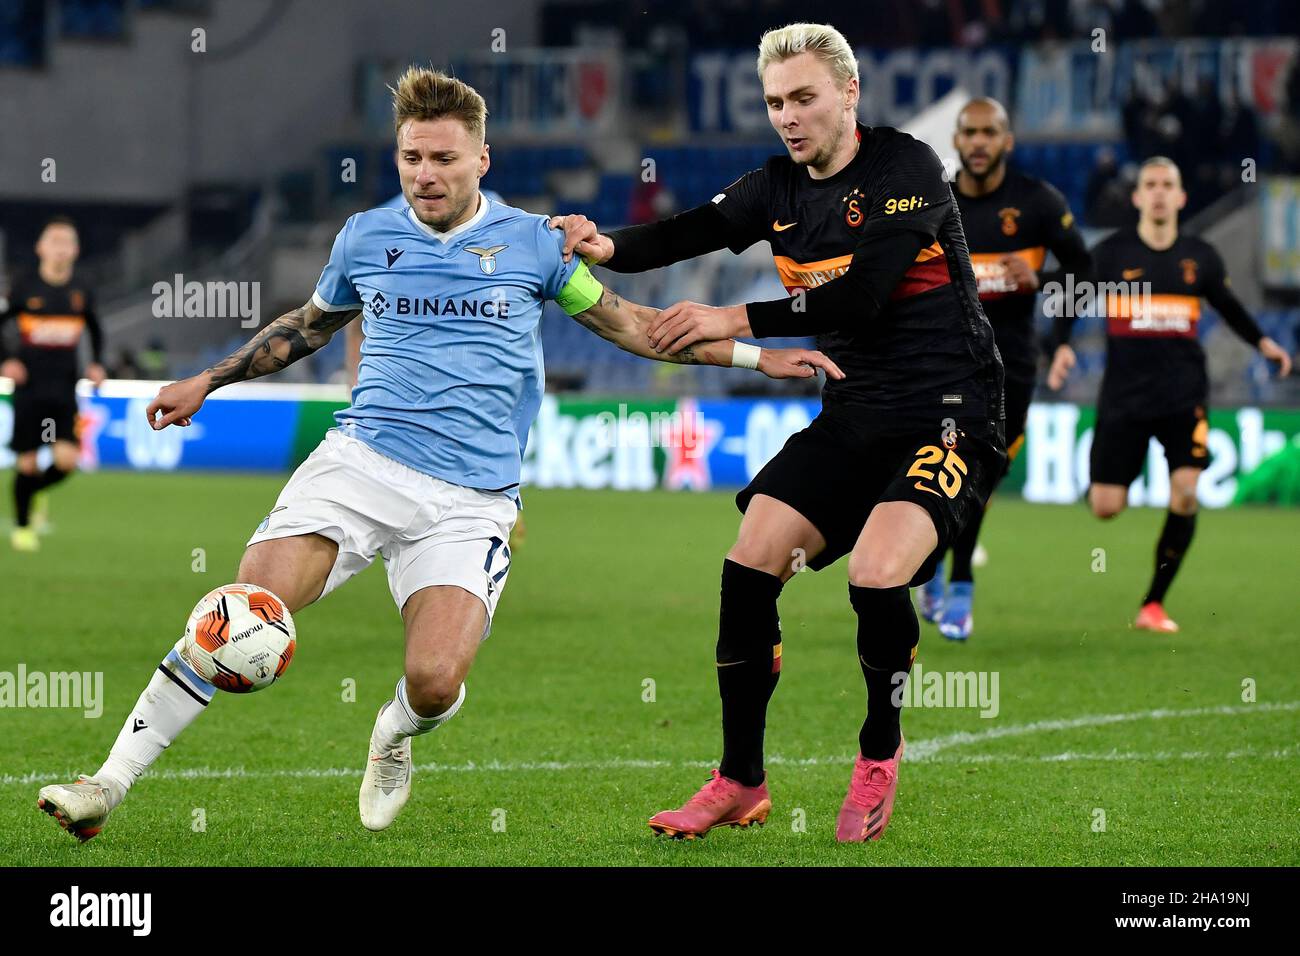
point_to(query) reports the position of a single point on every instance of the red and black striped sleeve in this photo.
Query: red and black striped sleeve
(908, 204)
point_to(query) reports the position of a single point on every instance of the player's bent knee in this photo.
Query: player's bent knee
(432, 690)
(1105, 504)
(1182, 496)
(878, 570)
(760, 556)
(65, 456)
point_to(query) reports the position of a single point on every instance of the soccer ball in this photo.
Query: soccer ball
(240, 638)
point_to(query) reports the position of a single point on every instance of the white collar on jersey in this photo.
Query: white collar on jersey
(450, 234)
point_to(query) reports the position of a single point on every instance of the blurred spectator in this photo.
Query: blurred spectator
(1240, 132)
(650, 202)
(1288, 127)
(1106, 200)
(153, 362)
(125, 366)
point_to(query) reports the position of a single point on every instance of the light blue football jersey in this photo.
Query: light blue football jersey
(451, 371)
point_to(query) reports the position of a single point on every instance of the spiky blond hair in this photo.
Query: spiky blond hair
(426, 94)
(820, 39)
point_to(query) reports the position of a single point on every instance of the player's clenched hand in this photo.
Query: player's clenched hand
(1018, 271)
(796, 363)
(177, 402)
(1062, 362)
(581, 236)
(14, 369)
(1271, 350)
(685, 323)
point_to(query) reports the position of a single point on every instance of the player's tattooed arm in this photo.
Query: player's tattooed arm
(292, 336)
(625, 324)
(283, 342)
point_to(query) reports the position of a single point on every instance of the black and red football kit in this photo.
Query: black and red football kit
(877, 269)
(1027, 218)
(1155, 383)
(51, 320)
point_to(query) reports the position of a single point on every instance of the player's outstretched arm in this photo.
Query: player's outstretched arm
(625, 324)
(290, 337)
(1218, 292)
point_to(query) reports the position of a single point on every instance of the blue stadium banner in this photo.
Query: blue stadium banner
(1077, 89)
(1280, 225)
(725, 95)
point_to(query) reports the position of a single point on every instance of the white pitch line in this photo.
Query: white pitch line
(920, 751)
(926, 749)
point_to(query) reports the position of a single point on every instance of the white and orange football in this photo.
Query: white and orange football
(240, 638)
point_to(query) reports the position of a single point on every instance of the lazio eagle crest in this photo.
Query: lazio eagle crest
(487, 258)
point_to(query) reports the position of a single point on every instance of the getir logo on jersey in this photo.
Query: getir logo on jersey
(1173, 316)
(904, 204)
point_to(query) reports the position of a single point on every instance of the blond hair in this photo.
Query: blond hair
(425, 94)
(820, 39)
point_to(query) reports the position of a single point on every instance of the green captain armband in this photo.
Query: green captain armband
(581, 292)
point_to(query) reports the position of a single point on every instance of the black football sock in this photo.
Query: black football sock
(963, 547)
(888, 633)
(51, 476)
(24, 487)
(749, 665)
(1175, 539)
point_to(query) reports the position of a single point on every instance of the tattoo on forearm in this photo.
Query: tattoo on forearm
(289, 338)
(610, 303)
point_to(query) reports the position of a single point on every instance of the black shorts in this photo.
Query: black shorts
(39, 419)
(1119, 443)
(839, 468)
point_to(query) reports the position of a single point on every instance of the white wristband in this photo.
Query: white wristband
(744, 355)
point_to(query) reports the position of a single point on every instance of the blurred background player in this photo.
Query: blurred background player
(53, 310)
(1011, 222)
(1155, 385)
(867, 241)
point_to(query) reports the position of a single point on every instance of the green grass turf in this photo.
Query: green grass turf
(610, 589)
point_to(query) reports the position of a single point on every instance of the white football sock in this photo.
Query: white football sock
(399, 720)
(174, 697)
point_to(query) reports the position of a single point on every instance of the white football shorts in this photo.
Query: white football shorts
(428, 531)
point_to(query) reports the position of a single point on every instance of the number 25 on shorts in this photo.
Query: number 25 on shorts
(949, 479)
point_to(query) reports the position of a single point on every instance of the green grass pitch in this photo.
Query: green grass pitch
(558, 758)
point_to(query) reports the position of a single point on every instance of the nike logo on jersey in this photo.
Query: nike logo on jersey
(922, 487)
(777, 227)
(1130, 274)
(393, 255)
